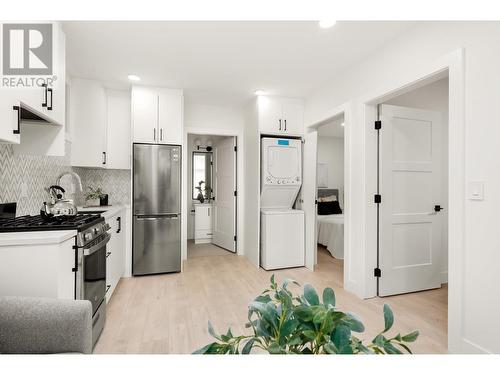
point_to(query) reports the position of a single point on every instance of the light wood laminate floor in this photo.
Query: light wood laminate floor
(169, 313)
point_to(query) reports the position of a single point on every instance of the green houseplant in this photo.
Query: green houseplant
(283, 323)
(93, 196)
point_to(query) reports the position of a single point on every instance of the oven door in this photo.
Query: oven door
(93, 272)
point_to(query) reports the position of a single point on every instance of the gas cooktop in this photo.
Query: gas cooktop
(27, 223)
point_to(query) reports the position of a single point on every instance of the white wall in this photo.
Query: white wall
(331, 153)
(401, 59)
(435, 97)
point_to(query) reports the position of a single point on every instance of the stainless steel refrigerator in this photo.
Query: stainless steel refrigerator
(156, 209)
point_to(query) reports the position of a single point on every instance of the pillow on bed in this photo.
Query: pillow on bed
(329, 208)
(329, 198)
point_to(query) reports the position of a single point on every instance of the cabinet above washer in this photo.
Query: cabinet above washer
(280, 116)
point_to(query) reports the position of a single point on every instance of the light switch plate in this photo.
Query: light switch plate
(476, 191)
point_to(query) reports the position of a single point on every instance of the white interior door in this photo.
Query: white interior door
(410, 185)
(224, 230)
(309, 196)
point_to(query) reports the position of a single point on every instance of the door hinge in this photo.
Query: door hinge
(378, 125)
(235, 193)
(378, 198)
(235, 148)
(234, 238)
(377, 272)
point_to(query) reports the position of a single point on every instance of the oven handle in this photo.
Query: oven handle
(97, 246)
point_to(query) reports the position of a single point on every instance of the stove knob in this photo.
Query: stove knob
(87, 236)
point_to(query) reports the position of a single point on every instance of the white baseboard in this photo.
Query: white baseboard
(468, 347)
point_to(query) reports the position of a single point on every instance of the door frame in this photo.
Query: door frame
(346, 109)
(238, 134)
(360, 174)
(451, 65)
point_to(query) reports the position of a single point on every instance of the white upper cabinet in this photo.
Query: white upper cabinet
(280, 116)
(118, 130)
(42, 95)
(88, 117)
(144, 114)
(100, 125)
(170, 116)
(157, 115)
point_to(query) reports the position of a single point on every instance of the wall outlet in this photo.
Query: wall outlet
(24, 190)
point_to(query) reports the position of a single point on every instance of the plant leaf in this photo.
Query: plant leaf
(212, 331)
(388, 318)
(354, 323)
(329, 297)
(311, 295)
(303, 313)
(310, 334)
(248, 347)
(411, 337)
(274, 348)
(341, 337)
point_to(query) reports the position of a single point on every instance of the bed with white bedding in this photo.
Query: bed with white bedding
(330, 228)
(331, 233)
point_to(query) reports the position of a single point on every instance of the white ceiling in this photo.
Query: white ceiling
(333, 128)
(223, 62)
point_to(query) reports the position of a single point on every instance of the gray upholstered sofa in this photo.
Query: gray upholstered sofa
(43, 325)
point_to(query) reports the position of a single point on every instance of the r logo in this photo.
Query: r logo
(27, 49)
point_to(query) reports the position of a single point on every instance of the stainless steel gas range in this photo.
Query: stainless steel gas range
(90, 256)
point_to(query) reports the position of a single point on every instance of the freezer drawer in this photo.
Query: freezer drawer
(157, 244)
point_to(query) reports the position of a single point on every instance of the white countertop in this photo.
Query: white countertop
(109, 211)
(36, 238)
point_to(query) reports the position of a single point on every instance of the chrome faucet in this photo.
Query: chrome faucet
(76, 176)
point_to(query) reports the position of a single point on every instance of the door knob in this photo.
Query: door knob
(438, 208)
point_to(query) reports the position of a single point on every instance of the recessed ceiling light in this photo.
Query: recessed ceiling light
(343, 124)
(259, 92)
(133, 77)
(325, 24)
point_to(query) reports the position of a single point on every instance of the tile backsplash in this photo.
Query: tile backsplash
(23, 179)
(114, 182)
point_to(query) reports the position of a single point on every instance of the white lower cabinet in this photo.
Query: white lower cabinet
(34, 265)
(115, 256)
(203, 223)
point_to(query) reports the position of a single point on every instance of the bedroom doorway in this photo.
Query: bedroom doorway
(330, 194)
(413, 190)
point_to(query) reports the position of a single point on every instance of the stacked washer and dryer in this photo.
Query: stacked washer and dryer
(282, 227)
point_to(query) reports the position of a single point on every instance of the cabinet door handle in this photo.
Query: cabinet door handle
(104, 157)
(18, 109)
(285, 125)
(49, 107)
(108, 254)
(161, 134)
(280, 123)
(154, 134)
(119, 220)
(44, 103)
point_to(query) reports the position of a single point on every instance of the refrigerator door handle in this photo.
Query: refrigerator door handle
(158, 217)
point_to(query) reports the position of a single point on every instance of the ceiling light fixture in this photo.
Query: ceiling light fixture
(342, 124)
(259, 92)
(133, 77)
(326, 24)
